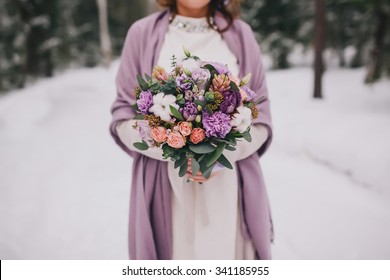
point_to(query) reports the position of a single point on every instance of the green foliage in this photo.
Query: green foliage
(141, 145)
(176, 113)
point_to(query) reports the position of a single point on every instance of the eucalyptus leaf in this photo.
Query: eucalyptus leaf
(194, 167)
(206, 173)
(183, 169)
(181, 161)
(141, 145)
(225, 162)
(247, 136)
(230, 148)
(216, 154)
(203, 148)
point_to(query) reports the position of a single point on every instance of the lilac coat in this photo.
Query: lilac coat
(150, 224)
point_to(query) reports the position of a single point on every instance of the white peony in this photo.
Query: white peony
(242, 120)
(161, 106)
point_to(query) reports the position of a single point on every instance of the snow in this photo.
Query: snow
(64, 184)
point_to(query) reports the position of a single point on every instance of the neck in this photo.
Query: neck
(195, 13)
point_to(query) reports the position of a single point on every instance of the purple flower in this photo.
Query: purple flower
(145, 101)
(184, 82)
(231, 100)
(201, 77)
(199, 95)
(216, 125)
(189, 111)
(250, 93)
(143, 129)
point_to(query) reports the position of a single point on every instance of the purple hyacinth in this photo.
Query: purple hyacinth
(216, 125)
(145, 101)
(231, 100)
(250, 93)
(189, 111)
(183, 82)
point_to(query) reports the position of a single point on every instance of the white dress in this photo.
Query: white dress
(206, 218)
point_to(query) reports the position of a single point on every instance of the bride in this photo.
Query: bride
(228, 215)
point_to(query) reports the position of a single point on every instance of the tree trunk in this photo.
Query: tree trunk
(105, 41)
(375, 68)
(319, 40)
(341, 37)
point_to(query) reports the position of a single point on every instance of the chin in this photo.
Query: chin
(194, 4)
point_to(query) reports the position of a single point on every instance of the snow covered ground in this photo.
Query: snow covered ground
(64, 184)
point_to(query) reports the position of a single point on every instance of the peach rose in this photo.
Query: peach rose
(159, 73)
(159, 134)
(197, 135)
(176, 140)
(185, 128)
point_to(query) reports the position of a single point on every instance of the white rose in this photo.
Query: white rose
(161, 106)
(191, 64)
(242, 120)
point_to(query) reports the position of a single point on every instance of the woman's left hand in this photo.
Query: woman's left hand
(199, 177)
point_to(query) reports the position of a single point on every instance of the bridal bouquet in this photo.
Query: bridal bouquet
(194, 112)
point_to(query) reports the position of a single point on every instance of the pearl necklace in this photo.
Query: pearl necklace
(192, 25)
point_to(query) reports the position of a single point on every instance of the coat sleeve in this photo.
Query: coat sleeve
(125, 131)
(125, 82)
(254, 64)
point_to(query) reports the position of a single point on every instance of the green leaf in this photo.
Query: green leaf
(134, 106)
(169, 87)
(183, 169)
(216, 154)
(194, 167)
(181, 161)
(230, 148)
(200, 103)
(138, 117)
(234, 87)
(141, 145)
(176, 113)
(203, 148)
(147, 77)
(142, 84)
(201, 158)
(225, 162)
(206, 173)
(210, 67)
(260, 100)
(247, 136)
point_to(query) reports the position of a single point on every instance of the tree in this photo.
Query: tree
(319, 40)
(105, 41)
(378, 49)
(277, 23)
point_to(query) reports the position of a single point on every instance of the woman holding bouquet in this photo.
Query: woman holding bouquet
(226, 216)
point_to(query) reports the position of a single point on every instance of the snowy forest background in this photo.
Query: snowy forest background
(40, 37)
(65, 185)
